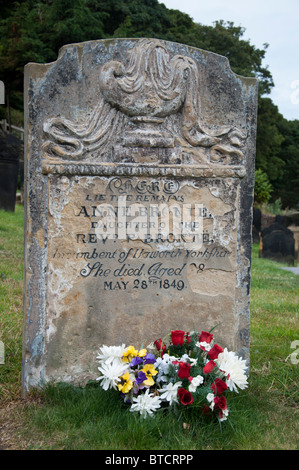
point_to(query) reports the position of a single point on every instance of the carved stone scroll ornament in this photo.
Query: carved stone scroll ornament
(138, 105)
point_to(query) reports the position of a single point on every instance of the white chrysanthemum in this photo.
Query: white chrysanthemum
(111, 374)
(233, 368)
(111, 354)
(169, 392)
(195, 382)
(146, 403)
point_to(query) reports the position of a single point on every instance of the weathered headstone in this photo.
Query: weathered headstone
(10, 148)
(295, 230)
(278, 243)
(256, 225)
(140, 169)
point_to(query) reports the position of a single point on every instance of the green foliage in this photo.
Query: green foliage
(287, 185)
(70, 22)
(274, 208)
(277, 152)
(11, 300)
(269, 140)
(262, 187)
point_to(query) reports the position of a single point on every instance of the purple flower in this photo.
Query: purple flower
(150, 358)
(141, 377)
(126, 400)
(136, 361)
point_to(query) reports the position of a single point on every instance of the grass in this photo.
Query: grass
(262, 417)
(11, 300)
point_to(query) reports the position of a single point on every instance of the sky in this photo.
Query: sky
(275, 22)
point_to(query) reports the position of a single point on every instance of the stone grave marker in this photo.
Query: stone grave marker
(278, 243)
(295, 231)
(10, 150)
(139, 190)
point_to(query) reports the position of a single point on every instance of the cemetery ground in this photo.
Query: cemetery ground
(262, 417)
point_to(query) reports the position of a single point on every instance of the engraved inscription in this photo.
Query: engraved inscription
(161, 259)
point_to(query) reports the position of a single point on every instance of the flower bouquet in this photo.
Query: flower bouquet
(190, 370)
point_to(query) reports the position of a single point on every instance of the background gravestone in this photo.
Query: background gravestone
(278, 243)
(256, 225)
(121, 133)
(10, 148)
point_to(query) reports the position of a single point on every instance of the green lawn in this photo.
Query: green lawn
(264, 416)
(11, 300)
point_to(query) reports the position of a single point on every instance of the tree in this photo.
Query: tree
(262, 187)
(34, 32)
(17, 48)
(68, 21)
(287, 185)
(269, 140)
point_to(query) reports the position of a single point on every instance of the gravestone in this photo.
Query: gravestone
(10, 148)
(278, 243)
(140, 175)
(295, 230)
(256, 225)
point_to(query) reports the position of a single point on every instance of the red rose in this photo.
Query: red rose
(220, 403)
(218, 386)
(205, 337)
(185, 397)
(177, 337)
(209, 367)
(215, 351)
(158, 344)
(184, 370)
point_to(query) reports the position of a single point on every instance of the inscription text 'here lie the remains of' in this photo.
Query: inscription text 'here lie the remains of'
(139, 189)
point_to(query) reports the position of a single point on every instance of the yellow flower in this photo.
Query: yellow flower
(150, 371)
(126, 384)
(142, 353)
(129, 354)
